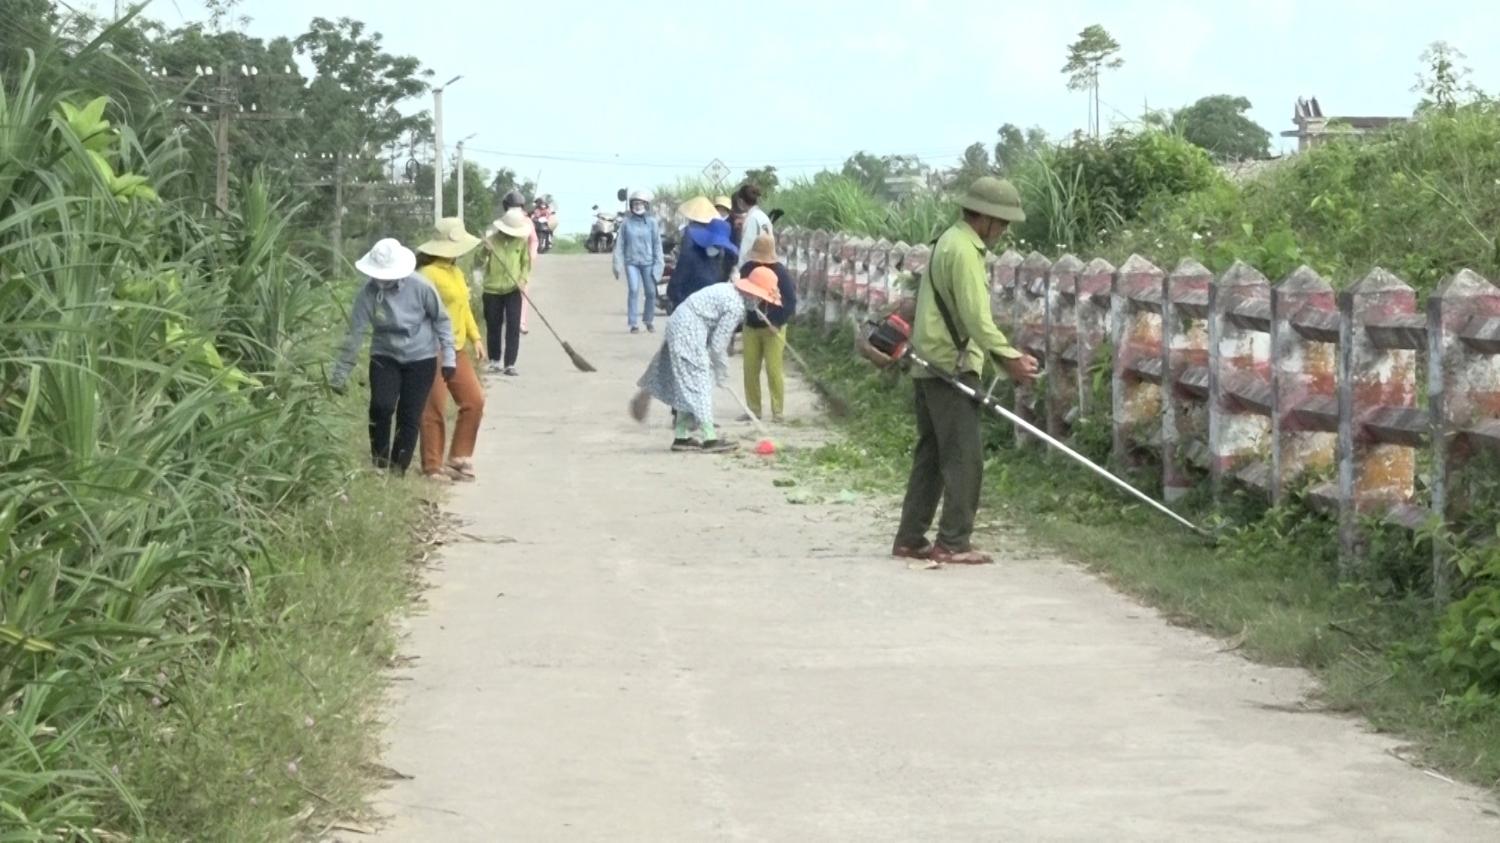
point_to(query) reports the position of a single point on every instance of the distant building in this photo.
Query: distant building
(1313, 128)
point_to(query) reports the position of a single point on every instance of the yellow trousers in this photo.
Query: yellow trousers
(765, 345)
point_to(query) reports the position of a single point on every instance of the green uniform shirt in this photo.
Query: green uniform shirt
(957, 270)
(509, 267)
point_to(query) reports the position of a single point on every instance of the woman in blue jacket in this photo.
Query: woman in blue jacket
(639, 259)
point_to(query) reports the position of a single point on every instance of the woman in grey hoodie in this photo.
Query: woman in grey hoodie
(411, 329)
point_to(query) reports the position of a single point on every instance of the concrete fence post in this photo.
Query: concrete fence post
(1185, 378)
(1239, 386)
(817, 275)
(1380, 425)
(833, 283)
(1304, 419)
(856, 252)
(1463, 395)
(916, 262)
(874, 263)
(1136, 334)
(1093, 287)
(1003, 274)
(1062, 361)
(1031, 330)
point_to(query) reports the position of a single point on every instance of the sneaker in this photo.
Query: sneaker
(686, 445)
(634, 329)
(510, 371)
(718, 446)
(492, 368)
(650, 328)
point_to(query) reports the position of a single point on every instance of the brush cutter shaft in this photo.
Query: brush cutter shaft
(1032, 429)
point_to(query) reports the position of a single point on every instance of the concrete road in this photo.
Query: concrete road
(633, 645)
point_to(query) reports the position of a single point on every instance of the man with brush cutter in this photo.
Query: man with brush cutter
(954, 330)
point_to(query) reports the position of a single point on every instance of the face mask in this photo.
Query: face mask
(713, 251)
(638, 210)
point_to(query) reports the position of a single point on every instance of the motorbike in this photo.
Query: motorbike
(543, 234)
(669, 250)
(603, 232)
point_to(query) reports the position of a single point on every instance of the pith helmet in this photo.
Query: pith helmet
(993, 197)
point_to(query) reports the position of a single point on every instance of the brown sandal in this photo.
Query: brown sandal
(949, 556)
(462, 469)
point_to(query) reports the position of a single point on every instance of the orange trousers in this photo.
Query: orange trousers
(469, 396)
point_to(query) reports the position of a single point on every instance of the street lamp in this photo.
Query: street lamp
(437, 142)
(460, 175)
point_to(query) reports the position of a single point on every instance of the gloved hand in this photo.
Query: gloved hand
(449, 372)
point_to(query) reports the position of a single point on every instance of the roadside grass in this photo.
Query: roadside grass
(267, 731)
(1269, 586)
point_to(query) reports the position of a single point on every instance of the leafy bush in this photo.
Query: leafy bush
(161, 414)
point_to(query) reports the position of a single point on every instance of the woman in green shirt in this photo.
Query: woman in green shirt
(506, 269)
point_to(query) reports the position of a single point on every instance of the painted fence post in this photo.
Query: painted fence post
(1003, 274)
(817, 275)
(1239, 386)
(1380, 425)
(916, 261)
(1093, 287)
(1463, 394)
(1136, 333)
(1304, 419)
(833, 290)
(874, 262)
(1062, 351)
(1185, 380)
(1031, 330)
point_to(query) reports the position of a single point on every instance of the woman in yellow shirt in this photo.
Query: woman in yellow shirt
(435, 262)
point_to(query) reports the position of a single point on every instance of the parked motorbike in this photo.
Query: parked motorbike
(669, 250)
(603, 232)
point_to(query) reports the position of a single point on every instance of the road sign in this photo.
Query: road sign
(716, 172)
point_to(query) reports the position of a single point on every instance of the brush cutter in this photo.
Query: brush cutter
(890, 338)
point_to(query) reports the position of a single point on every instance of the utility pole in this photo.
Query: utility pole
(437, 151)
(338, 204)
(221, 149)
(459, 177)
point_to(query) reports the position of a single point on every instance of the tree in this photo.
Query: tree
(1015, 146)
(505, 181)
(974, 164)
(1218, 124)
(765, 177)
(1445, 82)
(874, 172)
(1094, 51)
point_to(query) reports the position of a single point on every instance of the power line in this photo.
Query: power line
(614, 161)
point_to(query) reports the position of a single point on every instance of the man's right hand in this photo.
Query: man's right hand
(1022, 370)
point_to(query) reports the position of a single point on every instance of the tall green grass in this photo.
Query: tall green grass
(839, 203)
(162, 424)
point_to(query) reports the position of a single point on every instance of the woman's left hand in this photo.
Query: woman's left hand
(480, 352)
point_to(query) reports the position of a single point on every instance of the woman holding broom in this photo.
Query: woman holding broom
(505, 270)
(694, 357)
(412, 340)
(435, 262)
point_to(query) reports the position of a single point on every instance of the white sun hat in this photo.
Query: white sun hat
(388, 260)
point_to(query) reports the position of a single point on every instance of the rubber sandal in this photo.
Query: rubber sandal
(948, 556)
(462, 471)
(438, 477)
(686, 445)
(718, 446)
(922, 551)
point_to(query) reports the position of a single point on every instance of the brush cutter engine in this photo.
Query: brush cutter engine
(886, 341)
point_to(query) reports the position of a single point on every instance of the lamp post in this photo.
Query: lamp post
(460, 176)
(437, 143)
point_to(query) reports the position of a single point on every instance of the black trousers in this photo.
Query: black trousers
(398, 389)
(502, 317)
(947, 465)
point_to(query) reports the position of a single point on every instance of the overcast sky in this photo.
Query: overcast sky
(655, 90)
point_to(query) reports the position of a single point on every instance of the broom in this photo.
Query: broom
(579, 363)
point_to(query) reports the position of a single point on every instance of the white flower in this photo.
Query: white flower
(1197, 236)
